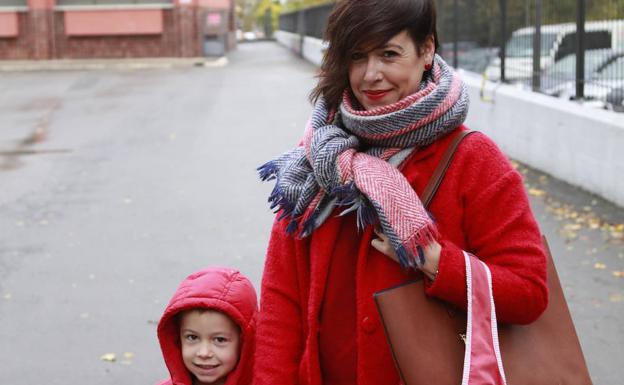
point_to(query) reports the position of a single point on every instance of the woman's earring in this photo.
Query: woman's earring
(428, 66)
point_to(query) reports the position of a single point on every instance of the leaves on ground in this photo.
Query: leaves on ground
(617, 297)
(109, 357)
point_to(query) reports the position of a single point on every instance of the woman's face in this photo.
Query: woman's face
(389, 73)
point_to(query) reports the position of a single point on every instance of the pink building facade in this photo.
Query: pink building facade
(77, 29)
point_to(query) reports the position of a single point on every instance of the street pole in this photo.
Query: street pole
(503, 45)
(537, 46)
(580, 49)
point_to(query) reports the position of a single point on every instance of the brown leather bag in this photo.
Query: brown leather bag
(426, 334)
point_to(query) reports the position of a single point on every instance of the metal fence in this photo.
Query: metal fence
(578, 55)
(309, 22)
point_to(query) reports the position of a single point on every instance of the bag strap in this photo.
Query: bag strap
(440, 171)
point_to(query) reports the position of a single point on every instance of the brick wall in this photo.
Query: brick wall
(82, 47)
(19, 47)
(42, 35)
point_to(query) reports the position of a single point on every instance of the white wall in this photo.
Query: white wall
(581, 145)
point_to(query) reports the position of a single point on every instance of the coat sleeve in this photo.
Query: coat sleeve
(499, 228)
(279, 342)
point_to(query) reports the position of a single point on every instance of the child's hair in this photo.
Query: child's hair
(202, 310)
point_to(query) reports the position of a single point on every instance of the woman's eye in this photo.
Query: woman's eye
(390, 54)
(357, 56)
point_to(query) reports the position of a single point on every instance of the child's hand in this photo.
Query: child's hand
(431, 251)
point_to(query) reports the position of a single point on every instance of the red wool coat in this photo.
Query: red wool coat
(222, 289)
(480, 207)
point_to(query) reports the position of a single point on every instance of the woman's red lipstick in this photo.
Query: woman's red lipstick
(375, 94)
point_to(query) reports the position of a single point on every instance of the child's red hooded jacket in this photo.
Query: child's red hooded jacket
(222, 289)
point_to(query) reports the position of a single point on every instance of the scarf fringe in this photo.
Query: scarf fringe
(268, 171)
(349, 195)
(411, 253)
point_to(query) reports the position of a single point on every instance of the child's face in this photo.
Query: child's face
(210, 345)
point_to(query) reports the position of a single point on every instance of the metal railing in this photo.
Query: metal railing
(568, 48)
(308, 22)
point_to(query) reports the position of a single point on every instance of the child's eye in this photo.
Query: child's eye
(191, 337)
(221, 340)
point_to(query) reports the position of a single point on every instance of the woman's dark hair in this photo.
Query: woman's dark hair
(368, 24)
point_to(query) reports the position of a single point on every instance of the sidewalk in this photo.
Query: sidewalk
(109, 64)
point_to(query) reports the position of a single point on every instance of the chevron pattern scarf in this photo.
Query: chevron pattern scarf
(351, 158)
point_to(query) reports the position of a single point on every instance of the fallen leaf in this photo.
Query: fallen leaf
(618, 274)
(616, 297)
(537, 192)
(599, 266)
(109, 357)
(128, 355)
(572, 227)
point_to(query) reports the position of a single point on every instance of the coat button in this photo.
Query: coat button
(368, 325)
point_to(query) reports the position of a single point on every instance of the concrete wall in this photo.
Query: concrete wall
(581, 145)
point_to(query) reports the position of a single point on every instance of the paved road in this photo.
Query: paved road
(117, 184)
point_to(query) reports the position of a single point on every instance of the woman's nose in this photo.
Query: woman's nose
(373, 72)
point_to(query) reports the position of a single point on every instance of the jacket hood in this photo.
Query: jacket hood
(218, 288)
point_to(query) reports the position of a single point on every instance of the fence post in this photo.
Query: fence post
(580, 49)
(537, 46)
(503, 49)
(268, 23)
(301, 28)
(455, 32)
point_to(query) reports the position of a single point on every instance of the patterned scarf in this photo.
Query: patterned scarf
(351, 157)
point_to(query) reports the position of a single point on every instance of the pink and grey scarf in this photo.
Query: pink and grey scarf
(350, 158)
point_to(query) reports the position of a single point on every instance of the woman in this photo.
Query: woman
(386, 108)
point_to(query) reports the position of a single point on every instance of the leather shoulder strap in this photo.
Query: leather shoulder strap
(440, 171)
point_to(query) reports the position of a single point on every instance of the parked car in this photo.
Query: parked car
(602, 83)
(615, 100)
(556, 78)
(557, 41)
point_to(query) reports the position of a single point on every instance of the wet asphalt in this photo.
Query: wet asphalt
(116, 184)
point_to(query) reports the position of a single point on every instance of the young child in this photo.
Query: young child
(207, 332)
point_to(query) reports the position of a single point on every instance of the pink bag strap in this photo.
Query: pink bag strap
(482, 361)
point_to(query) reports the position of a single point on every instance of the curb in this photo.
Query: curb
(109, 64)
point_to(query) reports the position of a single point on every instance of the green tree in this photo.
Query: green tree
(295, 5)
(260, 12)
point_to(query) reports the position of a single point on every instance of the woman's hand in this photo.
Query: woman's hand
(432, 253)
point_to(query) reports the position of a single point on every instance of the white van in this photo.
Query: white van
(558, 41)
